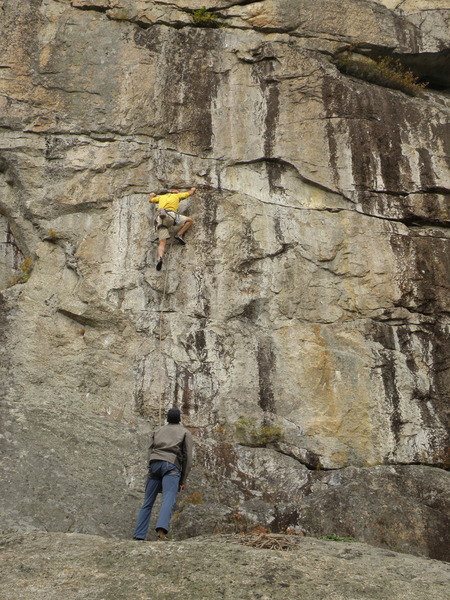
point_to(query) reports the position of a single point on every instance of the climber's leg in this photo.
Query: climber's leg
(163, 235)
(186, 222)
(162, 247)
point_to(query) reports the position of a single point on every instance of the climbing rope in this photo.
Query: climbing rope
(161, 312)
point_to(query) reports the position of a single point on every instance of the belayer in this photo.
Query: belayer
(169, 464)
(167, 216)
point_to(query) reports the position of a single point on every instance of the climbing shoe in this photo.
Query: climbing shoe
(180, 239)
(159, 264)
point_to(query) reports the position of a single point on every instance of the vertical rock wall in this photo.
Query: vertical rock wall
(304, 328)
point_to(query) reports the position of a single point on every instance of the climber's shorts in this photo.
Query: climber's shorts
(168, 222)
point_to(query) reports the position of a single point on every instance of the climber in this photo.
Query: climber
(170, 461)
(167, 216)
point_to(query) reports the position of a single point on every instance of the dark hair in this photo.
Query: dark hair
(162, 192)
(173, 415)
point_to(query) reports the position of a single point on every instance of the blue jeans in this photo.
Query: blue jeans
(166, 477)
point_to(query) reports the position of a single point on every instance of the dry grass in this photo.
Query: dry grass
(387, 72)
(268, 541)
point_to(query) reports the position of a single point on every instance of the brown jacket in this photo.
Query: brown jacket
(173, 443)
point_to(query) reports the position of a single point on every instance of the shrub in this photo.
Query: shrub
(386, 72)
(205, 18)
(25, 268)
(239, 522)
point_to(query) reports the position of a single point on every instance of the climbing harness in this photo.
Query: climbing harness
(160, 215)
(166, 218)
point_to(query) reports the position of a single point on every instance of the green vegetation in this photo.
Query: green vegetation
(25, 268)
(253, 434)
(239, 522)
(205, 18)
(386, 72)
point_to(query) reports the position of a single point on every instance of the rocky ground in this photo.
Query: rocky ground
(74, 566)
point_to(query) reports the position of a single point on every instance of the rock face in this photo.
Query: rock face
(303, 330)
(64, 566)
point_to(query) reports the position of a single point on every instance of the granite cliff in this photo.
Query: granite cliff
(304, 329)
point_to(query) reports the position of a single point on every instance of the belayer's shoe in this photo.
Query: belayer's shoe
(159, 264)
(180, 239)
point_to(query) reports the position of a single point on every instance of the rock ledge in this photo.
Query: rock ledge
(66, 566)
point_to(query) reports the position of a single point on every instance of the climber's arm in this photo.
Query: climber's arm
(182, 195)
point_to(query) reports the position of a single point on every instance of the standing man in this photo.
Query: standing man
(167, 216)
(169, 465)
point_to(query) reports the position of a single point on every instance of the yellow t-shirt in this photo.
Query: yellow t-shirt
(170, 201)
